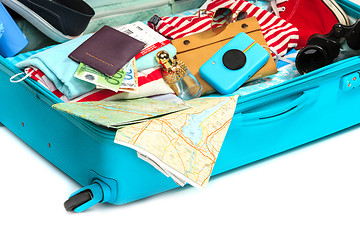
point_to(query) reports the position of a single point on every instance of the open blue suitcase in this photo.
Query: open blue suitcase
(265, 123)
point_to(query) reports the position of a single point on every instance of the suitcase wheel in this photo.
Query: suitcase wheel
(88, 196)
(77, 200)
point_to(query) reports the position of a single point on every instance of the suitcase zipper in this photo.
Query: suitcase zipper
(303, 81)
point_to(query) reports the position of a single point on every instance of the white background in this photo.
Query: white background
(355, 1)
(311, 192)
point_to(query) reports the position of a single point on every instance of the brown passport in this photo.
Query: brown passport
(107, 51)
(196, 49)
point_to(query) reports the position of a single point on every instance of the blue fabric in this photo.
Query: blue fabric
(149, 61)
(23, 56)
(1, 29)
(281, 63)
(59, 68)
(263, 4)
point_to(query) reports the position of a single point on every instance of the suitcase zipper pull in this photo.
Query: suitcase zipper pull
(27, 73)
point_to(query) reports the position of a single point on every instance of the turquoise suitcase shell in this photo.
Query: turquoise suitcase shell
(265, 123)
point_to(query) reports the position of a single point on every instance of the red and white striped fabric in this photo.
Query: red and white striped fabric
(279, 34)
(150, 83)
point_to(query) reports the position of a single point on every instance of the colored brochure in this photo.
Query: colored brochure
(144, 33)
(115, 114)
(183, 145)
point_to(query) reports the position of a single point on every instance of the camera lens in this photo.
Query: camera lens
(234, 59)
(311, 58)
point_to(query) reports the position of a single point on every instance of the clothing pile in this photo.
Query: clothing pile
(285, 24)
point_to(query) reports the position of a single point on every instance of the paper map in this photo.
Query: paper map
(186, 143)
(117, 113)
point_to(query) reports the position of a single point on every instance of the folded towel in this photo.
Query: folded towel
(59, 68)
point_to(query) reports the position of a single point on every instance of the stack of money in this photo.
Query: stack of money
(125, 80)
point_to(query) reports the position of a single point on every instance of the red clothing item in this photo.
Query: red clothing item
(312, 16)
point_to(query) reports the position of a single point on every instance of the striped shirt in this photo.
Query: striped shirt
(279, 34)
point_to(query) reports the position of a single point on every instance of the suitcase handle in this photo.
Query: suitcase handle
(274, 113)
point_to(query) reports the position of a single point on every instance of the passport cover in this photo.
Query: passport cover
(107, 51)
